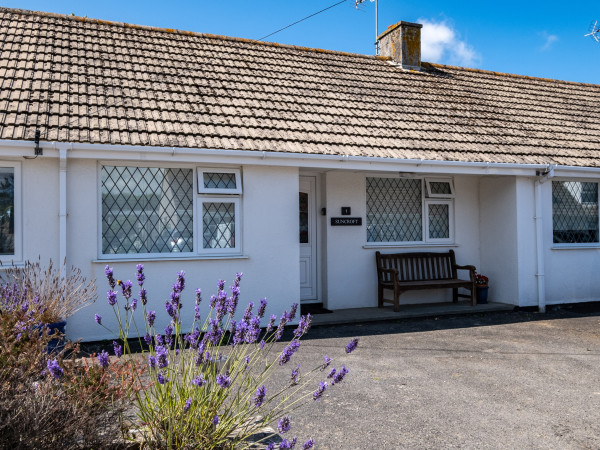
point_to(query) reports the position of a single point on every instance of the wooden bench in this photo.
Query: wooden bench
(400, 272)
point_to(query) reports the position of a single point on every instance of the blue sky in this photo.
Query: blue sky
(536, 38)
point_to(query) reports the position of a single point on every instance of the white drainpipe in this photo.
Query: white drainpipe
(62, 206)
(539, 237)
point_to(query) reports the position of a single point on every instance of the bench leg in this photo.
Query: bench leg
(473, 296)
(380, 296)
(455, 295)
(397, 300)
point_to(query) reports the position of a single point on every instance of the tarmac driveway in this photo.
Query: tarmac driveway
(505, 380)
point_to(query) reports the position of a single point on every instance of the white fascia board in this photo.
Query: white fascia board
(131, 153)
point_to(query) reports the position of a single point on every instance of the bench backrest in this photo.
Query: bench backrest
(417, 266)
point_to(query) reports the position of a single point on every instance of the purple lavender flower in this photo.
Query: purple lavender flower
(220, 285)
(215, 420)
(162, 356)
(262, 344)
(140, 274)
(293, 310)
(187, 405)
(284, 424)
(221, 308)
(331, 373)
(271, 446)
(151, 316)
(319, 392)
(118, 349)
(98, 319)
(200, 354)
(193, 338)
(168, 334)
(198, 296)
(281, 326)
(161, 378)
(303, 326)
(197, 313)
(295, 374)
(248, 313)
(143, 296)
(148, 339)
(340, 375)
(240, 333)
(180, 283)
(108, 272)
(54, 368)
(262, 308)
(259, 397)
(285, 444)
(213, 301)
(253, 330)
(159, 339)
(238, 278)
(224, 380)
(327, 360)
(352, 345)
(126, 288)
(112, 297)
(152, 361)
(171, 310)
(134, 304)
(308, 444)
(271, 323)
(103, 358)
(287, 352)
(199, 381)
(215, 333)
(232, 326)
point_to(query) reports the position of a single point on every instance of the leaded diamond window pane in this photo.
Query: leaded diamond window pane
(439, 221)
(213, 180)
(394, 210)
(7, 211)
(575, 212)
(440, 188)
(147, 210)
(218, 221)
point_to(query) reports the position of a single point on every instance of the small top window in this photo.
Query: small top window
(439, 188)
(219, 181)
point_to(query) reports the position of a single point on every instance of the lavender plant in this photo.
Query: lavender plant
(215, 386)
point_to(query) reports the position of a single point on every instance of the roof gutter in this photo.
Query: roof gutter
(108, 152)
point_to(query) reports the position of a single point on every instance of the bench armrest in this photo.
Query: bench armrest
(472, 270)
(392, 272)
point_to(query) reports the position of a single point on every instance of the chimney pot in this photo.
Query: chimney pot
(402, 43)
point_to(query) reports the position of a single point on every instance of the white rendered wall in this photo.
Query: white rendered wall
(269, 246)
(572, 274)
(526, 242)
(498, 231)
(351, 272)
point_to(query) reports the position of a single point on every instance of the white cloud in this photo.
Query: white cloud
(440, 43)
(549, 39)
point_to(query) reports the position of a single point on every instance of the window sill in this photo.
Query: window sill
(412, 245)
(575, 246)
(114, 259)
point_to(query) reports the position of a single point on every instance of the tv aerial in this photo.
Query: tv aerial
(594, 31)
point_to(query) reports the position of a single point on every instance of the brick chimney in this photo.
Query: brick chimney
(402, 42)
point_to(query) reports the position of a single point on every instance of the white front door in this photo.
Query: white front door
(308, 239)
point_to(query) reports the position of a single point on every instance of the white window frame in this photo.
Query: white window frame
(450, 203)
(425, 201)
(428, 182)
(574, 245)
(17, 256)
(237, 249)
(203, 190)
(129, 256)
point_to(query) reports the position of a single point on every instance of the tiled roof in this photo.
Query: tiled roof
(88, 81)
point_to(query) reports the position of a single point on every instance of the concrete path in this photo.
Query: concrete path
(496, 381)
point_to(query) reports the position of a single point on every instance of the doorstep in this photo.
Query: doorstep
(374, 314)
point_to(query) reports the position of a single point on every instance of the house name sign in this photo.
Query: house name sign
(346, 221)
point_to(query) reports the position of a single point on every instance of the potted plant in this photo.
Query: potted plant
(481, 287)
(60, 292)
